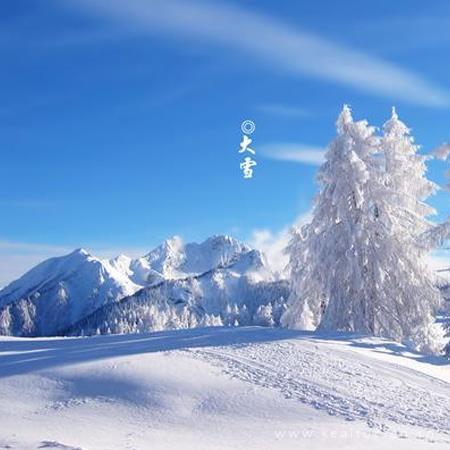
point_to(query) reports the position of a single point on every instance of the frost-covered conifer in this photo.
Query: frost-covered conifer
(244, 316)
(264, 316)
(325, 266)
(359, 265)
(409, 297)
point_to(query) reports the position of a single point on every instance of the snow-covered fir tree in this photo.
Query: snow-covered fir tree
(264, 316)
(325, 255)
(408, 298)
(359, 266)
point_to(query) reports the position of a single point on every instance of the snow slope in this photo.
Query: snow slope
(221, 388)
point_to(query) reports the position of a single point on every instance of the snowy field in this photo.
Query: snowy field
(221, 388)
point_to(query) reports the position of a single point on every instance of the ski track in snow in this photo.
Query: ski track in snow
(378, 393)
(221, 388)
(56, 445)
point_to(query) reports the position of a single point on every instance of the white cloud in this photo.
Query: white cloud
(284, 110)
(442, 152)
(298, 153)
(282, 46)
(273, 243)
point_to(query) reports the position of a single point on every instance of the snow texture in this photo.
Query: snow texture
(221, 388)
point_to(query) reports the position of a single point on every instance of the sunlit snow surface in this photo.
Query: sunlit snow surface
(221, 388)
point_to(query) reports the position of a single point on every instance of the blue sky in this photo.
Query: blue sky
(120, 121)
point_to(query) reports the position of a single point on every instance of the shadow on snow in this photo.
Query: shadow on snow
(25, 355)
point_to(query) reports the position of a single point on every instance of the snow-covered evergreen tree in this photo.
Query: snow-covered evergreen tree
(264, 316)
(231, 315)
(210, 320)
(409, 297)
(325, 255)
(359, 265)
(244, 316)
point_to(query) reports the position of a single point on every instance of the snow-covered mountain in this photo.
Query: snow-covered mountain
(224, 295)
(61, 292)
(173, 260)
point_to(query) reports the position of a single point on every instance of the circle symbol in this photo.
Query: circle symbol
(248, 126)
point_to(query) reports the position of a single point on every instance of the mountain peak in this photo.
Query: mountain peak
(174, 243)
(222, 238)
(175, 259)
(218, 241)
(80, 251)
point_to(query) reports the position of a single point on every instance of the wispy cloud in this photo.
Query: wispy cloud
(292, 152)
(283, 46)
(284, 110)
